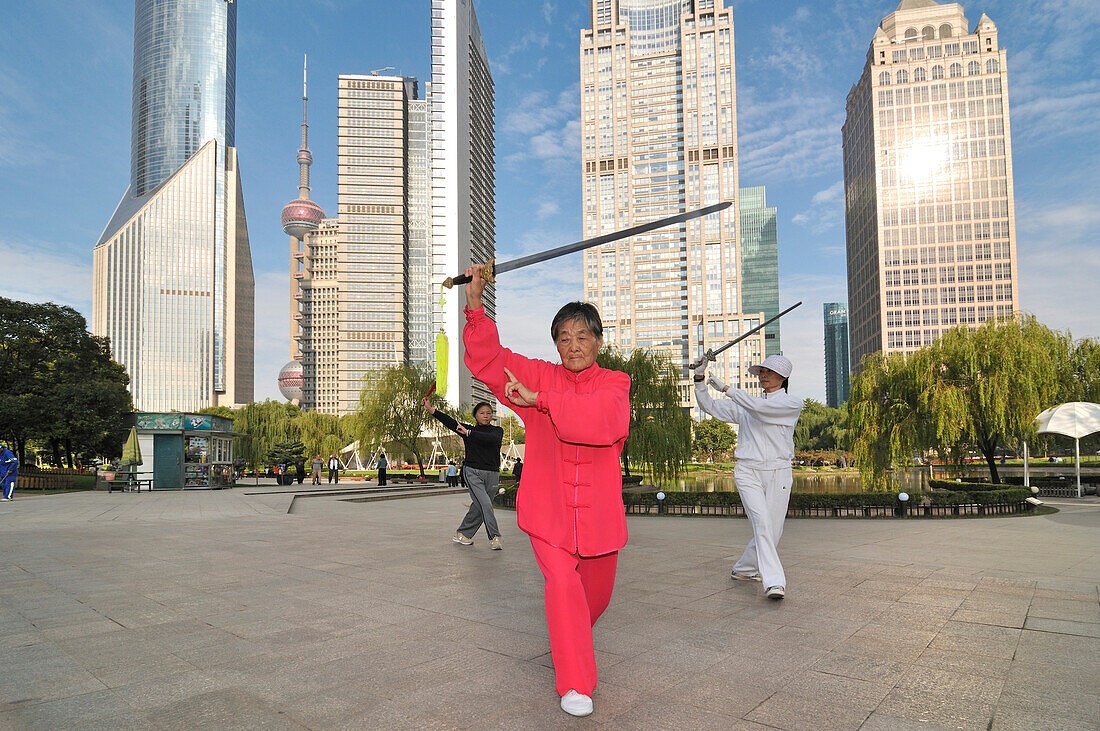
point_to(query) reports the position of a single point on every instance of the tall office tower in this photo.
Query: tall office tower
(837, 369)
(463, 200)
(172, 271)
(760, 262)
(659, 128)
(421, 296)
(300, 218)
(929, 211)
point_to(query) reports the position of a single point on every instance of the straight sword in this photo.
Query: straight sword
(492, 269)
(709, 355)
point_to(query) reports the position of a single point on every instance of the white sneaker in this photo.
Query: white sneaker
(576, 704)
(775, 592)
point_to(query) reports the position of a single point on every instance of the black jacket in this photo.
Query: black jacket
(482, 443)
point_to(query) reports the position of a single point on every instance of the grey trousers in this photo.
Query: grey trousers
(481, 484)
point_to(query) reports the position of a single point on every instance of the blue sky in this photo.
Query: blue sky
(65, 143)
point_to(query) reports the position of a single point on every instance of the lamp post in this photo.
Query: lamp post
(660, 503)
(903, 498)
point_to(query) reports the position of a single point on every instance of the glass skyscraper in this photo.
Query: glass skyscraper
(837, 369)
(929, 212)
(172, 271)
(659, 136)
(760, 262)
(463, 196)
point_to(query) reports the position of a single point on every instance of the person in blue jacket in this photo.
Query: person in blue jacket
(9, 470)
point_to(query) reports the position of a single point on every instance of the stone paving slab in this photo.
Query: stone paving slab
(221, 610)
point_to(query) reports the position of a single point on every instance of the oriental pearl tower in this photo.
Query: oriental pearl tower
(300, 218)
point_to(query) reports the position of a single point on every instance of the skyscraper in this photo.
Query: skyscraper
(356, 278)
(659, 136)
(837, 371)
(930, 219)
(760, 261)
(463, 201)
(172, 271)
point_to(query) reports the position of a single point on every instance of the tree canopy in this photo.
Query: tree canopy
(389, 408)
(973, 389)
(660, 429)
(60, 385)
(714, 439)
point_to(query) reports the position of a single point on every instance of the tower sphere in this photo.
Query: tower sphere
(290, 381)
(302, 216)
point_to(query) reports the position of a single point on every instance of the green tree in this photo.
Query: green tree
(513, 429)
(820, 428)
(264, 423)
(660, 429)
(60, 384)
(971, 390)
(713, 437)
(389, 408)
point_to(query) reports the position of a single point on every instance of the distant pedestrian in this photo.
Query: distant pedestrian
(300, 471)
(9, 471)
(517, 470)
(480, 469)
(333, 469)
(383, 463)
(765, 448)
(452, 473)
(318, 464)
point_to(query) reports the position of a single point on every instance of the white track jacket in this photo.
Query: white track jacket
(765, 437)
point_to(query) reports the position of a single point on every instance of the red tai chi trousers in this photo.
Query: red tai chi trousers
(577, 591)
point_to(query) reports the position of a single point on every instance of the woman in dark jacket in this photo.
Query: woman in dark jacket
(480, 470)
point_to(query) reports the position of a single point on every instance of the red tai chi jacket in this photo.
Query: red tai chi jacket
(571, 495)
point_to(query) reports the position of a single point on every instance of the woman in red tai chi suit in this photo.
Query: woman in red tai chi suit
(576, 416)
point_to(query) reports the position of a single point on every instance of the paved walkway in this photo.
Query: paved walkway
(221, 610)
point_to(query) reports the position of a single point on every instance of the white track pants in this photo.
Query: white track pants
(764, 494)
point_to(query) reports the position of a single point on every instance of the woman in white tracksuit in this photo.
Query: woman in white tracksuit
(765, 447)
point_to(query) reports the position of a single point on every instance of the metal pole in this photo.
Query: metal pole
(1027, 478)
(1077, 453)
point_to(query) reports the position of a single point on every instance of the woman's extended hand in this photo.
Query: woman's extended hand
(517, 393)
(462, 430)
(475, 286)
(427, 405)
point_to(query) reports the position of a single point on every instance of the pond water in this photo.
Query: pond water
(813, 482)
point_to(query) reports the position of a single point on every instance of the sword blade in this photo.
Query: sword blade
(542, 256)
(709, 355)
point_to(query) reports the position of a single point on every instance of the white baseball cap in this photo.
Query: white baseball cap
(776, 363)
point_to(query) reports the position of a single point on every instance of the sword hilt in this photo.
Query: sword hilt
(488, 270)
(706, 356)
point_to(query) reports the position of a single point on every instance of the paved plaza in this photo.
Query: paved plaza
(249, 609)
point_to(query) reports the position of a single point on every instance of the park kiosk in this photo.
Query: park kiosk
(186, 451)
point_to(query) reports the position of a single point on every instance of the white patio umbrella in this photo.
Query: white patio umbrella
(1074, 419)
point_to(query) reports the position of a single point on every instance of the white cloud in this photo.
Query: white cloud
(547, 209)
(37, 271)
(826, 209)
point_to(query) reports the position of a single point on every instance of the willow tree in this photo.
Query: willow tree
(660, 428)
(885, 417)
(389, 408)
(264, 423)
(321, 434)
(973, 389)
